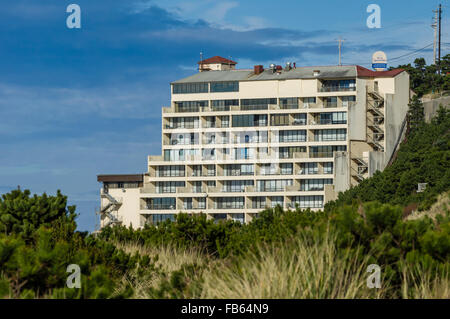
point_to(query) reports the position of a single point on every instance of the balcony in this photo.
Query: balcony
(299, 122)
(327, 104)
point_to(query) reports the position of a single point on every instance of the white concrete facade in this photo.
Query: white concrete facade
(235, 142)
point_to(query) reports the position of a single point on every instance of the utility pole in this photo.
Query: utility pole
(439, 50)
(340, 41)
(434, 26)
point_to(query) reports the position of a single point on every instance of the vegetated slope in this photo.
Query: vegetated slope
(423, 158)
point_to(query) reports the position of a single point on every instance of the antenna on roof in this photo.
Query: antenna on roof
(340, 41)
(200, 67)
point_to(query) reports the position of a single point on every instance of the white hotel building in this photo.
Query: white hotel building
(236, 141)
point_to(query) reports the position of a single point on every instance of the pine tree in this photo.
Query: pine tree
(416, 115)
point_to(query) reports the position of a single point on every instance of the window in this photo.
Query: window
(201, 203)
(325, 151)
(244, 153)
(219, 217)
(225, 121)
(279, 119)
(330, 101)
(190, 106)
(299, 119)
(168, 187)
(309, 168)
(160, 203)
(308, 201)
(239, 169)
(327, 168)
(338, 85)
(223, 105)
(184, 139)
(292, 136)
(238, 217)
(187, 203)
(307, 185)
(183, 88)
(209, 153)
(236, 186)
(210, 121)
(257, 104)
(179, 155)
(183, 122)
(110, 185)
(308, 101)
(170, 171)
(196, 170)
(286, 168)
(160, 218)
(259, 202)
(231, 86)
(348, 100)
(249, 120)
(268, 169)
(277, 185)
(211, 170)
(197, 187)
(229, 202)
(333, 118)
(276, 201)
(289, 103)
(330, 135)
(288, 152)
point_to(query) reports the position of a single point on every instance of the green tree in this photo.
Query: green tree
(416, 115)
(23, 214)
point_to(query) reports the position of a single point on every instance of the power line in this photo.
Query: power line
(398, 57)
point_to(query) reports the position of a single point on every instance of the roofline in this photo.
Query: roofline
(121, 178)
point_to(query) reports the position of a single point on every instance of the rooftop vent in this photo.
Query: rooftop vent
(273, 68)
(316, 72)
(288, 66)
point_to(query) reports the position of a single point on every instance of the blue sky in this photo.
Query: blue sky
(77, 103)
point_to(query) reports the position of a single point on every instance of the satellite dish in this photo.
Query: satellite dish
(379, 61)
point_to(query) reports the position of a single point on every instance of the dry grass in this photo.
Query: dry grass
(299, 269)
(169, 259)
(422, 286)
(441, 207)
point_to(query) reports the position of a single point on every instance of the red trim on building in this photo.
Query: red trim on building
(361, 71)
(217, 59)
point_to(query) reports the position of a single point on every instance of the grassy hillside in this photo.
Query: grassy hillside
(423, 158)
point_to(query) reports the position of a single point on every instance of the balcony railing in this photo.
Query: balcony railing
(159, 207)
(337, 89)
(320, 154)
(329, 104)
(327, 121)
(254, 107)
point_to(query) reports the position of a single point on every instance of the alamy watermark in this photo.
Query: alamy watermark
(74, 19)
(374, 279)
(74, 279)
(374, 19)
